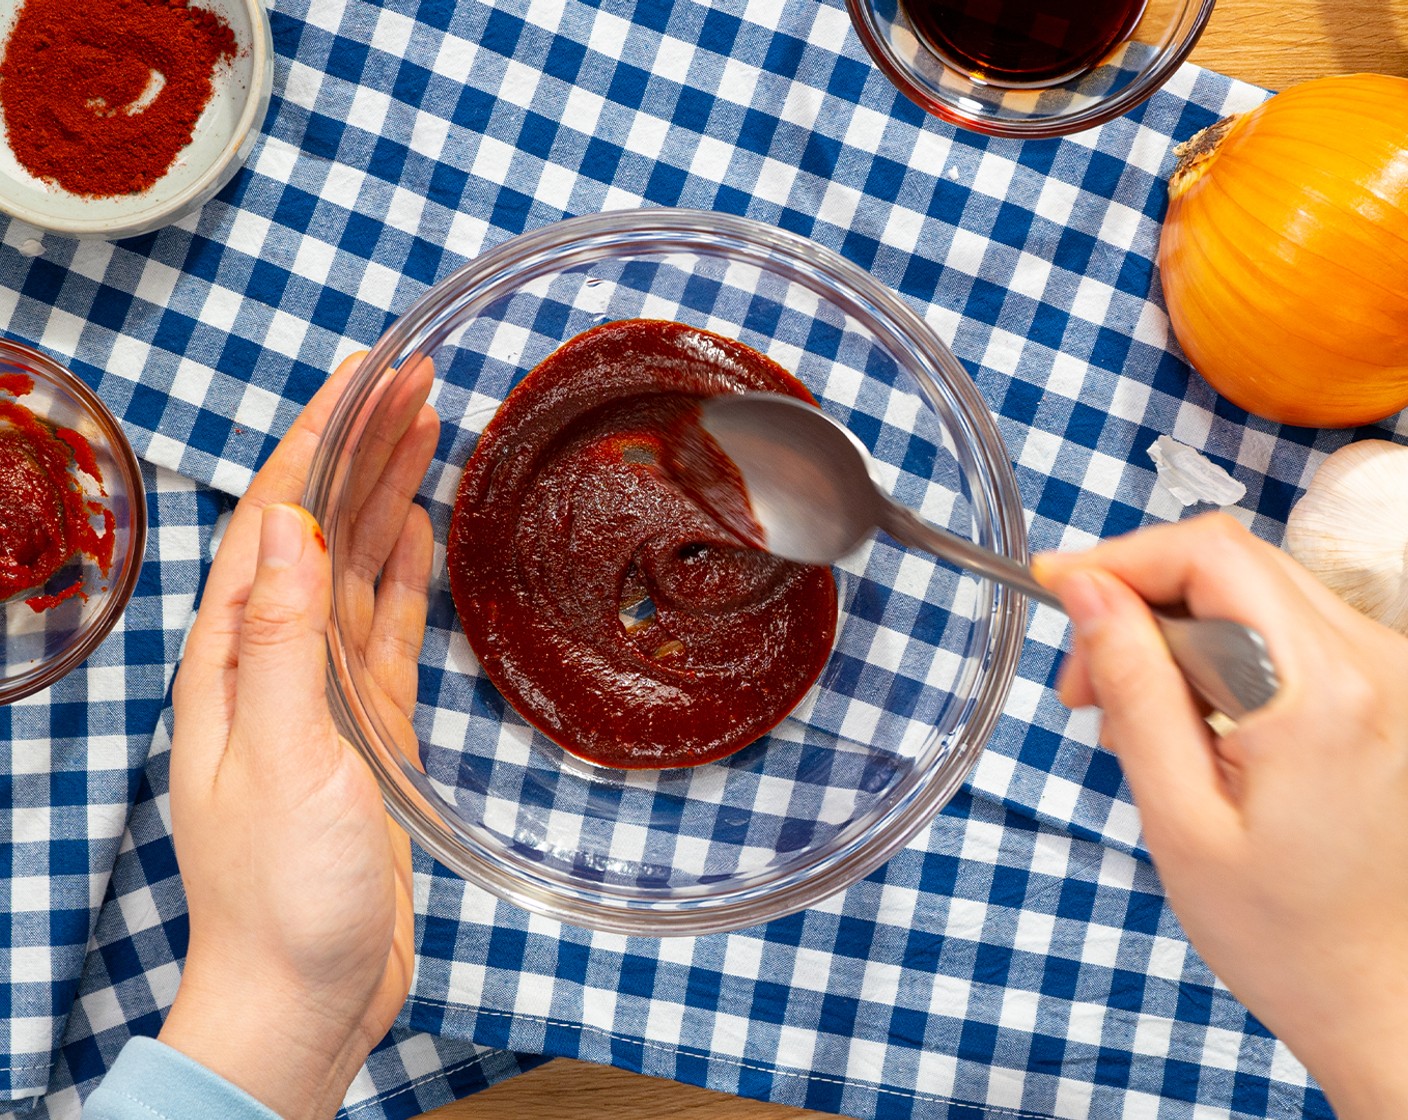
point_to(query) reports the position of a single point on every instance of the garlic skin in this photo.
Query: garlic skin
(1191, 477)
(1350, 529)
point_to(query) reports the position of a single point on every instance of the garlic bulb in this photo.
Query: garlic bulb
(1350, 529)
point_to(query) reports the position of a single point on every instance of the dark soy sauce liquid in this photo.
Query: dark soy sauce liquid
(1023, 42)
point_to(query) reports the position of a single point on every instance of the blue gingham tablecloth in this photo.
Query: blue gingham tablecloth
(71, 758)
(1018, 958)
(83, 823)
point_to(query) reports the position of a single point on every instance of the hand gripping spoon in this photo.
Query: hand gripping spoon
(812, 493)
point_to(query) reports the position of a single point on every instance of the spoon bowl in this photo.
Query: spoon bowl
(808, 483)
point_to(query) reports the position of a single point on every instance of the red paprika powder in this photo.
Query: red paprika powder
(100, 96)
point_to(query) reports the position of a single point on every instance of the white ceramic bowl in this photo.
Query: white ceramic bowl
(223, 138)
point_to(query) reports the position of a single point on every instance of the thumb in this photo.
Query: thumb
(280, 687)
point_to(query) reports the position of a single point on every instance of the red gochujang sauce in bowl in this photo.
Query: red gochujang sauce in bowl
(617, 616)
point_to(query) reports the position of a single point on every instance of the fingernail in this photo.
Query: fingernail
(1045, 566)
(283, 532)
(1085, 599)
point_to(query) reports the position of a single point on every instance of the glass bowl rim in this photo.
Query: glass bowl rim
(653, 231)
(116, 597)
(1130, 97)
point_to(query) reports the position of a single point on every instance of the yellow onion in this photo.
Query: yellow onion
(1284, 255)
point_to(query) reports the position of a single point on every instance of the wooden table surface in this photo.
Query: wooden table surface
(1274, 43)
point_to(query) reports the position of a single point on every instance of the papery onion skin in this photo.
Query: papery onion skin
(1284, 254)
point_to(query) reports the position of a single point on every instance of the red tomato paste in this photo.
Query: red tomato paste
(46, 517)
(616, 615)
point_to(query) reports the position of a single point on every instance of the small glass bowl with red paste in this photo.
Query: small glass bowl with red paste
(73, 521)
(610, 729)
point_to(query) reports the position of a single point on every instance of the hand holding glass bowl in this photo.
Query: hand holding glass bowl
(1029, 69)
(924, 654)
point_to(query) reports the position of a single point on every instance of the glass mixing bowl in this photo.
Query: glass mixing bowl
(1160, 34)
(923, 657)
(38, 647)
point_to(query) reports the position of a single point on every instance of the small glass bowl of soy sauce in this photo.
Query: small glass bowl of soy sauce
(1029, 68)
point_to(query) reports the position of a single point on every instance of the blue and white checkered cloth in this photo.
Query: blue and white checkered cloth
(1018, 958)
(70, 759)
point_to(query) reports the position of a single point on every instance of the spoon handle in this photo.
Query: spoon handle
(1227, 663)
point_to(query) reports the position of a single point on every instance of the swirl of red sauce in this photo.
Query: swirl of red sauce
(46, 518)
(583, 503)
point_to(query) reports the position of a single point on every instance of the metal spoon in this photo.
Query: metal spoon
(811, 489)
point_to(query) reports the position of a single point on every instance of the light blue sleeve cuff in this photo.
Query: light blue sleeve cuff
(151, 1081)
